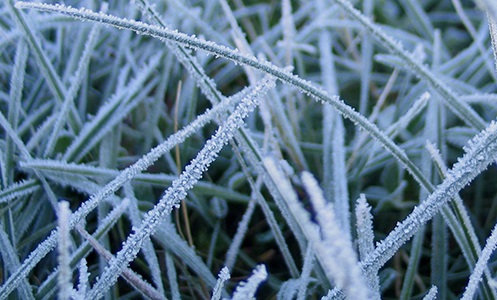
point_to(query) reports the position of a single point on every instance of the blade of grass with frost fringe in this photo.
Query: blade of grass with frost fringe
(437, 116)
(288, 289)
(329, 80)
(234, 248)
(84, 277)
(461, 109)
(65, 173)
(39, 137)
(45, 66)
(10, 260)
(220, 211)
(112, 112)
(480, 152)
(366, 61)
(48, 287)
(365, 241)
(15, 95)
(412, 265)
(82, 185)
(364, 225)
(172, 277)
(64, 279)
(492, 26)
(481, 266)
(18, 190)
(224, 275)
(288, 31)
(270, 219)
(148, 247)
(305, 277)
(432, 294)
(179, 187)
(335, 248)
(246, 290)
(71, 94)
(341, 194)
(131, 277)
(34, 117)
(281, 74)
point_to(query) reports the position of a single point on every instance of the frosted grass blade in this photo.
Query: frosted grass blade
(305, 277)
(335, 249)
(15, 93)
(172, 276)
(148, 248)
(18, 190)
(366, 61)
(67, 173)
(492, 26)
(241, 230)
(64, 280)
(224, 275)
(247, 290)
(365, 240)
(481, 266)
(134, 279)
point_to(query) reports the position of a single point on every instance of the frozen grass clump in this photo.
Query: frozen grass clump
(325, 149)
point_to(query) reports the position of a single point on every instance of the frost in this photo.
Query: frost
(224, 275)
(65, 274)
(365, 233)
(334, 249)
(246, 290)
(432, 294)
(481, 266)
